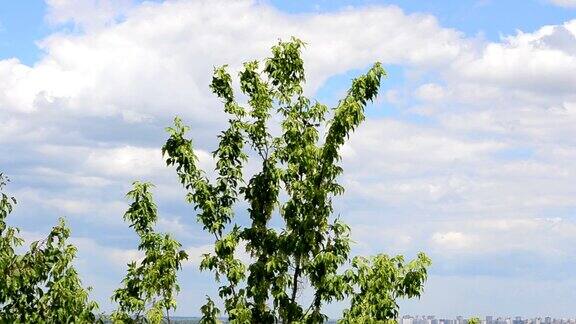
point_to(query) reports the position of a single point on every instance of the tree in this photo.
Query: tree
(381, 281)
(474, 320)
(40, 286)
(149, 289)
(296, 183)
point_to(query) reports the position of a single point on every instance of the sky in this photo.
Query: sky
(468, 153)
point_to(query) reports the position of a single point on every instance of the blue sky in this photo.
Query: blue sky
(467, 154)
(22, 23)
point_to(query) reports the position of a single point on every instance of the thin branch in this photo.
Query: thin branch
(295, 279)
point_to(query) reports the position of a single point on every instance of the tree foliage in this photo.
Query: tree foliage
(381, 280)
(41, 285)
(149, 288)
(474, 320)
(296, 182)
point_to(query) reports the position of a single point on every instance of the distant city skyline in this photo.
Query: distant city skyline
(487, 319)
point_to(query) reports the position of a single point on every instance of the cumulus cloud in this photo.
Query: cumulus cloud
(159, 60)
(542, 62)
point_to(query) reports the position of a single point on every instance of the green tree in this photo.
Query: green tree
(474, 320)
(296, 182)
(150, 286)
(381, 281)
(40, 286)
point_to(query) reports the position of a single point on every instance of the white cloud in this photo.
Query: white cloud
(430, 92)
(396, 147)
(87, 14)
(71, 178)
(159, 60)
(174, 226)
(453, 240)
(564, 3)
(125, 161)
(16, 78)
(71, 202)
(69, 206)
(544, 236)
(196, 254)
(122, 257)
(542, 62)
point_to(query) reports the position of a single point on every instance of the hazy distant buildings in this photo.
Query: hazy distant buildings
(427, 319)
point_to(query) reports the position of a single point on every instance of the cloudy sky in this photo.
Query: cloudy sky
(467, 155)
